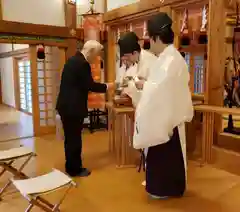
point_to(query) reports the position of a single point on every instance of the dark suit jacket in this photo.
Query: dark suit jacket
(76, 82)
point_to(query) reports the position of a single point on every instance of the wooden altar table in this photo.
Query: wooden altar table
(120, 128)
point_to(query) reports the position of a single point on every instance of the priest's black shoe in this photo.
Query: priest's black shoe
(83, 173)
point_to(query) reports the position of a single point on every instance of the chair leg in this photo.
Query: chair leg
(91, 121)
(56, 207)
(35, 202)
(5, 187)
(29, 208)
(4, 170)
(16, 172)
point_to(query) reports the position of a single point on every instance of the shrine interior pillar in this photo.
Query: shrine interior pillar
(216, 58)
(71, 23)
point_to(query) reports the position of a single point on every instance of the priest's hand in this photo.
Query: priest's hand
(139, 84)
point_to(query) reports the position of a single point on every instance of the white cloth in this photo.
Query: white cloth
(165, 103)
(42, 184)
(146, 60)
(14, 153)
(119, 74)
(130, 72)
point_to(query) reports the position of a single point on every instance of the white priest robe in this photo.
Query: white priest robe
(143, 67)
(164, 107)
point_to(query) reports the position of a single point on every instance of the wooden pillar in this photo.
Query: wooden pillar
(111, 61)
(71, 23)
(105, 6)
(176, 27)
(216, 58)
(1, 10)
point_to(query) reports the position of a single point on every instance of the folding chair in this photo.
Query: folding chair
(34, 188)
(8, 157)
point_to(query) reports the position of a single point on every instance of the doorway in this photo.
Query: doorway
(16, 120)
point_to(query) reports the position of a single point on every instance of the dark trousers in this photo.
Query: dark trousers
(72, 127)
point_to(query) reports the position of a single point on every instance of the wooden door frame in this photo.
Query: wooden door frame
(0, 88)
(16, 79)
(37, 129)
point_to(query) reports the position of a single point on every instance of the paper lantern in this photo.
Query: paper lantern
(40, 52)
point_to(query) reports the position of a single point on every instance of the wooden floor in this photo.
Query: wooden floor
(14, 124)
(111, 190)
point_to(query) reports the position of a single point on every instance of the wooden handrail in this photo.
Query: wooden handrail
(217, 109)
(198, 97)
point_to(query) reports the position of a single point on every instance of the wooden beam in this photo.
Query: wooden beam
(70, 15)
(14, 53)
(140, 8)
(1, 10)
(17, 28)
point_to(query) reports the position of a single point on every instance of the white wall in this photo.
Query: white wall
(113, 4)
(6, 72)
(6, 68)
(48, 12)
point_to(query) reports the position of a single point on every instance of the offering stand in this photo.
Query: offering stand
(121, 127)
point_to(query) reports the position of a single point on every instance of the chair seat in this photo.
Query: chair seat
(42, 184)
(14, 153)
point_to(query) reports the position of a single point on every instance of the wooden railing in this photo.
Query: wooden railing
(209, 113)
(121, 132)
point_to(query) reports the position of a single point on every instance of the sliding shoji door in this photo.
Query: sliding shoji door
(45, 85)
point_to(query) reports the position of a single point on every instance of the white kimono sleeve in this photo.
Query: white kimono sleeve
(165, 104)
(133, 92)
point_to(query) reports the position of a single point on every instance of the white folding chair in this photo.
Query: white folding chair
(34, 188)
(8, 157)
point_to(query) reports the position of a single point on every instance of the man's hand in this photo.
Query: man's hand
(139, 84)
(110, 86)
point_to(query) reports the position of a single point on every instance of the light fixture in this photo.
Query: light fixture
(72, 1)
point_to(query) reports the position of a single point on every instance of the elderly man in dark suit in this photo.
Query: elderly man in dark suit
(72, 103)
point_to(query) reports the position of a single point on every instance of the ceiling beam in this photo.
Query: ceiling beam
(19, 28)
(146, 5)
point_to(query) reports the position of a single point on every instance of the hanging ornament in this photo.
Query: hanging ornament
(130, 27)
(40, 52)
(185, 39)
(202, 35)
(118, 34)
(145, 33)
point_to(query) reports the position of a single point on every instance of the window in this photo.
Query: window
(24, 71)
(199, 74)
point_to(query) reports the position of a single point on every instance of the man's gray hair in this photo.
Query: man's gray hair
(92, 45)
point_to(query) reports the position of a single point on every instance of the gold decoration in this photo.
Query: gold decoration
(73, 32)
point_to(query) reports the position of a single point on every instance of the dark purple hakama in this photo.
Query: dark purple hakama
(165, 171)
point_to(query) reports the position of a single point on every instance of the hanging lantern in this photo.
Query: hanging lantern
(40, 52)
(146, 44)
(186, 36)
